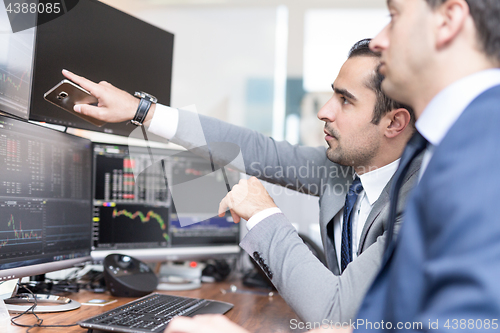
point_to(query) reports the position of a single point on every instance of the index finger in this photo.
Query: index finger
(92, 87)
(223, 206)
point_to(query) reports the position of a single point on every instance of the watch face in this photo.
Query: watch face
(142, 94)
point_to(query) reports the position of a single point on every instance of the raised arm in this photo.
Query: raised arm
(299, 168)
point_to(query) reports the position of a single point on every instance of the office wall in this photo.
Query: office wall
(296, 10)
(217, 52)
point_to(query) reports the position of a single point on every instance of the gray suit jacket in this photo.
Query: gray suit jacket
(314, 291)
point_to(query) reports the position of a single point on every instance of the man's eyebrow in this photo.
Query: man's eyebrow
(344, 92)
(392, 4)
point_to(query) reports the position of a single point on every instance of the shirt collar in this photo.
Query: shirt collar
(375, 181)
(445, 108)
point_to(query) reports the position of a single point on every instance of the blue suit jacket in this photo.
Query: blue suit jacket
(446, 263)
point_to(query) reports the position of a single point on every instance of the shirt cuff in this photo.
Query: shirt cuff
(164, 122)
(260, 216)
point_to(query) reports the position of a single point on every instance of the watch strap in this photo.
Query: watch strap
(143, 108)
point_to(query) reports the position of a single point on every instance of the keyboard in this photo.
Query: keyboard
(152, 313)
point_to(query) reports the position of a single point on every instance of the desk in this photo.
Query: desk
(256, 313)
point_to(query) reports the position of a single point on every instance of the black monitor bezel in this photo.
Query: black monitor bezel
(155, 254)
(123, 128)
(50, 265)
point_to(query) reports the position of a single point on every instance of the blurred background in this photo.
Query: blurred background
(262, 64)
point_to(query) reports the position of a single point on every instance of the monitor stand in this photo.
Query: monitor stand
(45, 303)
(19, 303)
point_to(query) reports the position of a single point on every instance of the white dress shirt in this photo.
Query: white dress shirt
(373, 183)
(164, 122)
(447, 106)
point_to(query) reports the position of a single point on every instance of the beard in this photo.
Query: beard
(349, 154)
(332, 153)
(336, 154)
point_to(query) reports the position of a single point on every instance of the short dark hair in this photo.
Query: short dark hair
(486, 17)
(384, 104)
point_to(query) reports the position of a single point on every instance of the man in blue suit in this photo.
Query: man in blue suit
(442, 58)
(443, 272)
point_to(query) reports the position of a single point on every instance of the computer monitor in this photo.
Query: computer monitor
(135, 214)
(100, 43)
(45, 199)
(16, 65)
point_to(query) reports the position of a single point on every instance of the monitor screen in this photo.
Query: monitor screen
(16, 64)
(134, 211)
(101, 43)
(45, 199)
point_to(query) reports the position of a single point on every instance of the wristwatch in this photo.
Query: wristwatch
(144, 106)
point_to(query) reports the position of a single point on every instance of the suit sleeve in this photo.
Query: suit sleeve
(310, 288)
(296, 167)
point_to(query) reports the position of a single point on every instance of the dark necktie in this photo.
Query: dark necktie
(414, 147)
(350, 200)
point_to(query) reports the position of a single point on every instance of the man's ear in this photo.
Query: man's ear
(451, 17)
(397, 120)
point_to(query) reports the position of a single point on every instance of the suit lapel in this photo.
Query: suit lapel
(375, 215)
(331, 202)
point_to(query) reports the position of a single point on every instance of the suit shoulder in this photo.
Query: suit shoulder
(475, 133)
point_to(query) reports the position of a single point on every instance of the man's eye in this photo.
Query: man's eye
(392, 16)
(344, 100)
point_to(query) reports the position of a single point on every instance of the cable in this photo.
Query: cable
(39, 321)
(64, 286)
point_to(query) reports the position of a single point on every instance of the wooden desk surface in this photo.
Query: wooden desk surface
(256, 313)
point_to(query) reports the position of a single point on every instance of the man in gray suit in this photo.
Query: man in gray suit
(366, 133)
